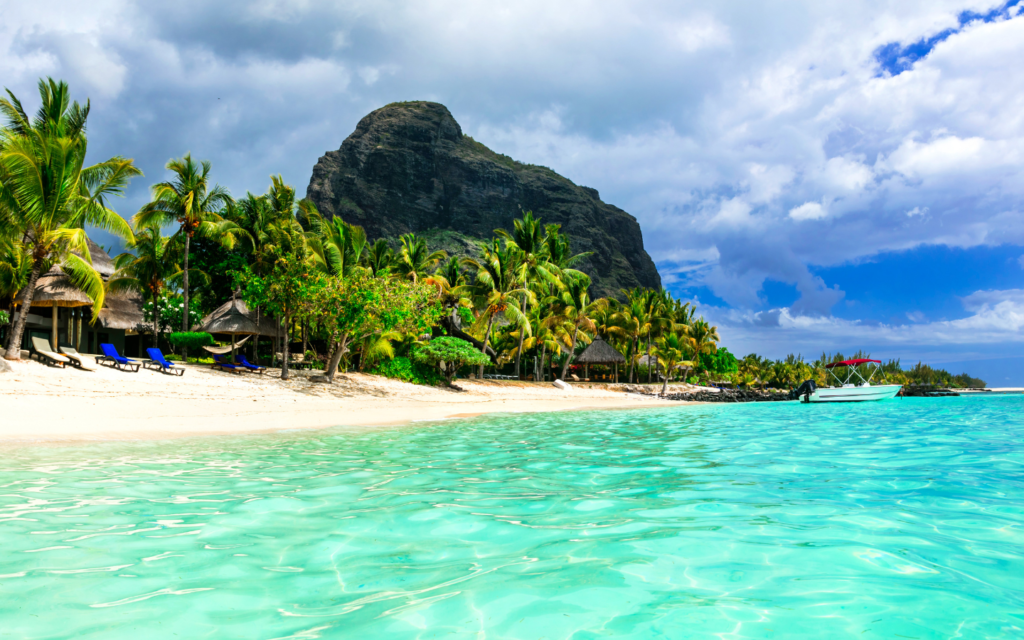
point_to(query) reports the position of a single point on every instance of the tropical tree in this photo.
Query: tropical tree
(190, 201)
(48, 194)
(147, 270)
(702, 338)
(498, 287)
(339, 247)
(671, 351)
(528, 236)
(449, 354)
(379, 259)
(15, 267)
(574, 311)
(415, 260)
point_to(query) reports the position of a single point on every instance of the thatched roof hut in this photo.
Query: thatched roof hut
(600, 352)
(54, 289)
(123, 311)
(234, 317)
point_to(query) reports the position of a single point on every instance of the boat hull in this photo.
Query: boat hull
(854, 394)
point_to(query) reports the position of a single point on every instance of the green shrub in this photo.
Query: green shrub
(406, 370)
(452, 352)
(5, 318)
(191, 340)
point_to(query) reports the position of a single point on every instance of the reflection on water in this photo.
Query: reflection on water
(882, 520)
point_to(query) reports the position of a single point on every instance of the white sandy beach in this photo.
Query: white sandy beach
(40, 403)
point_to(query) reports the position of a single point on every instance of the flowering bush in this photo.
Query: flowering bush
(172, 309)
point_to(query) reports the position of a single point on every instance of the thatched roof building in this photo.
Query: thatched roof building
(234, 317)
(600, 352)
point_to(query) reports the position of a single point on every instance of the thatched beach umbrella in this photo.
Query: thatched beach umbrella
(54, 290)
(600, 352)
(231, 320)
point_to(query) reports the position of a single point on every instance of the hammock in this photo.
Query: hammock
(219, 351)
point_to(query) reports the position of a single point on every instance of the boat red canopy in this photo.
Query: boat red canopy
(851, 363)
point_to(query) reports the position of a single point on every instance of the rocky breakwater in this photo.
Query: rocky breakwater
(699, 394)
(408, 167)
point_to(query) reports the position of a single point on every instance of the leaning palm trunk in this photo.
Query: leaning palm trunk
(522, 336)
(648, 358)
(543, 361)
(284, 349)
(14, 341)
(632, 358)
(572, 352)
(664, 387)
(487, 337)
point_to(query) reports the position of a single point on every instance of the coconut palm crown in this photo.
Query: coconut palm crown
(48, 195)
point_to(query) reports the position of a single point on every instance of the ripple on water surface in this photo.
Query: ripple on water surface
(881, 520)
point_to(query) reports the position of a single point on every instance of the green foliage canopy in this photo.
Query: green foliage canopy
(448, 354)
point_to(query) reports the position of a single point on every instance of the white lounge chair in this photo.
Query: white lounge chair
(77, 360)
(41, 351)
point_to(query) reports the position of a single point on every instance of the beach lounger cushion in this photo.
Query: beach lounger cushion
(112, 358)
(242, 360)
(77, 359)
(220, 363)
(158, 362)
(41, 350)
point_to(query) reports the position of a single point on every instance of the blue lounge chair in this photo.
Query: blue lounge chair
(112, 358)
(220, 363)
(158, 362)
(242, 360)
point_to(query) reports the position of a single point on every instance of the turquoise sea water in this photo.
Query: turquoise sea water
(899, 519)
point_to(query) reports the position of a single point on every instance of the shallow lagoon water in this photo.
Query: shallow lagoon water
(899, 519)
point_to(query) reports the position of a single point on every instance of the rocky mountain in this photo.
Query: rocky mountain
(408, 167)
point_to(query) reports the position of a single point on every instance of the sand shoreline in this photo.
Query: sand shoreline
(40, 404)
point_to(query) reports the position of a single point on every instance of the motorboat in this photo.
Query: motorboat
(850, 384)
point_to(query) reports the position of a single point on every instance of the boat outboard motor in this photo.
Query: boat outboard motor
(805, 390)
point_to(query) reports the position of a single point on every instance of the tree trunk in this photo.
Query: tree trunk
(156, 320)
(78, 330)
(305, 338)
(522, 336)
(632, 358)
(487, 337)
(339, 351)
(14, 340)
(54, 329)
(284, 351)
(664, 387)
(184, 319)
(543, 361)
(648, 358)
(572, 351)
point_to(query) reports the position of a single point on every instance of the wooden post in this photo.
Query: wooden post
(616, 373)
(78, 330)
(54, 339)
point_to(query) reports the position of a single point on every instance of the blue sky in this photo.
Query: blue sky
(816, 175)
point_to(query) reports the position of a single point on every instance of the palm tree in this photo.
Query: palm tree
(194, 205)
(499, 286)
(559, 249)
(703, 338)
(414, 259)
(48, 195)
(379, 258)
(15, 267)
(528, 236)
(574, 312)
(671, 351)
(340, 246)
(146, 270)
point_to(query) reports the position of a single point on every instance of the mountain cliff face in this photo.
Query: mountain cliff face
(408, 167)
